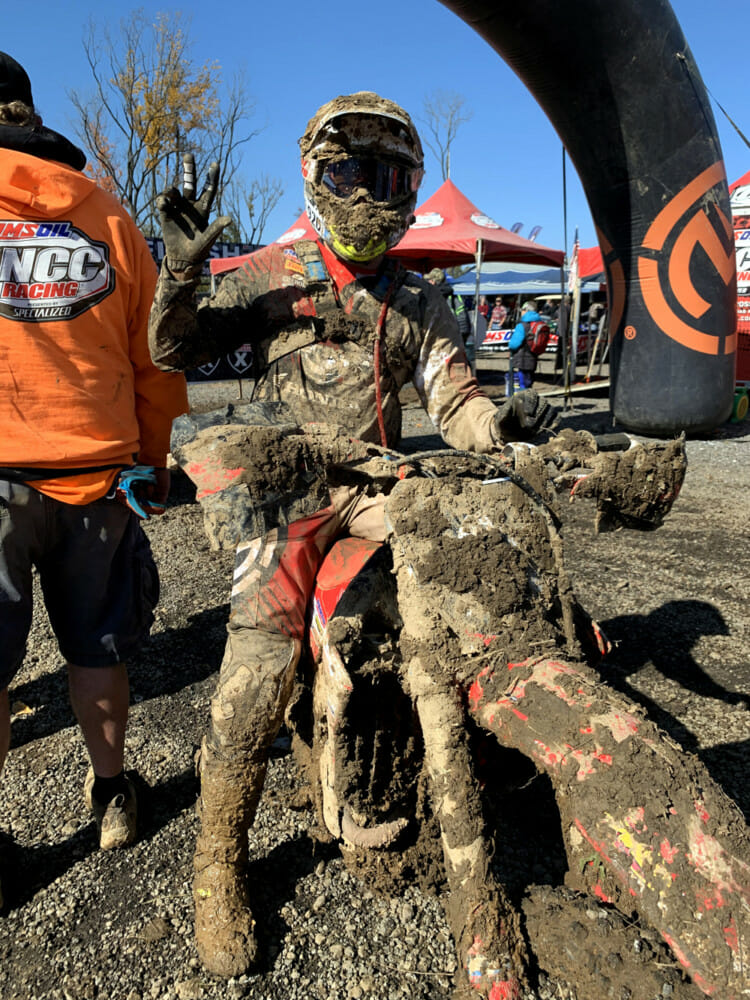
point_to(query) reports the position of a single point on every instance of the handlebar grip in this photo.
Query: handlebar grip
(613, 442)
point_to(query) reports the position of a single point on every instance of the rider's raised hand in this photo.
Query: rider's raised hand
(187, 234)
(523, 416)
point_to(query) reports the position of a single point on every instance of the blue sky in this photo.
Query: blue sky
(403, 49)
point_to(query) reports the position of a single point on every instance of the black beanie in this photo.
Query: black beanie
(14, 83)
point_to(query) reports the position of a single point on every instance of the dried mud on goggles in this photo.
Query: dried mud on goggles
(383, 181)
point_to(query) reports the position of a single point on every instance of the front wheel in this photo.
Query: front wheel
(645, 827)
(598, 951)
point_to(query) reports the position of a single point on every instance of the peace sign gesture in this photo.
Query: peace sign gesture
(185, 228)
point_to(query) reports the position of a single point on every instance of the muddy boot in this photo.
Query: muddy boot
(485, 926)
(255, 683)
(224, 924)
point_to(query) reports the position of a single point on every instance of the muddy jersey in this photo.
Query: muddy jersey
(335, 346)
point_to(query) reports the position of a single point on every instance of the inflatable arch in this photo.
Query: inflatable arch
(620, 85)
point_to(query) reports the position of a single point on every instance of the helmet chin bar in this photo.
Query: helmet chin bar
(360, 232)
(349, 252)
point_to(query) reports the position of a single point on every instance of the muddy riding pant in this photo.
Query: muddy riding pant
(273, 582)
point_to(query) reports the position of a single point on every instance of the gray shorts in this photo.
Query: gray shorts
(96, 571)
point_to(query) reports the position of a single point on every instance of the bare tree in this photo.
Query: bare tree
(444, 113)
(150, 106)
(251, 206)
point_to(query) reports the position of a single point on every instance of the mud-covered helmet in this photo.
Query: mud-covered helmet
(363, 163)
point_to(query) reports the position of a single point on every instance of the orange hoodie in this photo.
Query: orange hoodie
(77, 385)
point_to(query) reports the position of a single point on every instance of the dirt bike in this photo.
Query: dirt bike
(483, 635)
(459, 642)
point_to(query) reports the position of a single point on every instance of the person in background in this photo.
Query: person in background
(456, 305)
(478, 321)
(596, 310)
(80, 401)
(498, 315)
(551, 310)
(522, 360)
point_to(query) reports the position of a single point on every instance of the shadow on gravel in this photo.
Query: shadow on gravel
(664, 639)
(47, 697)
(729, 763)
(273, 881)
(168, 662)
(159, 804)
(178, 657)
(584, 416)
(28, 869)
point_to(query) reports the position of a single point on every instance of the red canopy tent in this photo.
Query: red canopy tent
(217, 265)
(450, 231)
(590, 262)
(300, 230)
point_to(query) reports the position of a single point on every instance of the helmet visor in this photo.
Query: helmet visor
(383, 181)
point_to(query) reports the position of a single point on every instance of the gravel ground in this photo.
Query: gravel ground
(81, 924)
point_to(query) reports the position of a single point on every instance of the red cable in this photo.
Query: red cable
(376, 364)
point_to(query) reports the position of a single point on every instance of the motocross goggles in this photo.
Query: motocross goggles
(383, 181)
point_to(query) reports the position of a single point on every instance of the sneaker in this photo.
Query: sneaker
(115, 822)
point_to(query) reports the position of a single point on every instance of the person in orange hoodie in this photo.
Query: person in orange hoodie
(85, 419)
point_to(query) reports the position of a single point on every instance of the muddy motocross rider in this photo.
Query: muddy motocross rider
(337, 329)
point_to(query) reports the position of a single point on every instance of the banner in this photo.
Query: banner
(740, 201)
(239, 363)
(156, 246)
(639, 110)
(573, 266)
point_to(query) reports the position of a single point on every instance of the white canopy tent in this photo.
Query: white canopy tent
(517, 279)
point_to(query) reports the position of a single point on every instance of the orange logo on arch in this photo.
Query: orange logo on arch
(691, 220)
(616, 284)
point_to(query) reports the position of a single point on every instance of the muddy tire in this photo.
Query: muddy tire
(645, 827)
(599, 952)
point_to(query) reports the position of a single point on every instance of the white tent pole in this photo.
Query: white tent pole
(563, 325)
(478, 268)
(565, 313)
(576, 321)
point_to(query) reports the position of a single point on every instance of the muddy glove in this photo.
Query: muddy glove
(143, 489)
(187, 235)
(521, 417)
